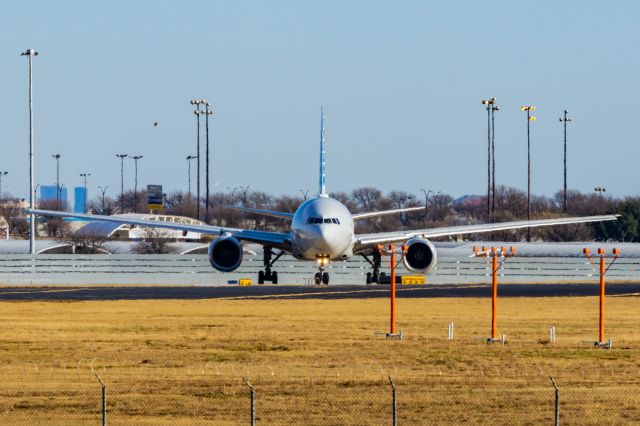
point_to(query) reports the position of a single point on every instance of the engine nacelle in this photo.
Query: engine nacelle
(421, 255)
(225, 254)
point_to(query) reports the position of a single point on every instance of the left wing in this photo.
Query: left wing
(365, 241)
(272, 213)
(278, 240)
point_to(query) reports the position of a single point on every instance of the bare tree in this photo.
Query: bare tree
(155, 241)
(86, 242)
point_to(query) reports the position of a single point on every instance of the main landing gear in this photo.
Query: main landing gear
(322, 277)
(376, 276)
(268, 274)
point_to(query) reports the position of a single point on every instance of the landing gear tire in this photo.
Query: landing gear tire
(369, 278)
(325, 278)
(274, 277)
(261, 277)
(317, 278)
(382, 279)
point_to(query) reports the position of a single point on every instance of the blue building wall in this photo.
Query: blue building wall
(79, 197)
(48, 193)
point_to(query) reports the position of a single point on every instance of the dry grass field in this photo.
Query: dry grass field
(317, 361)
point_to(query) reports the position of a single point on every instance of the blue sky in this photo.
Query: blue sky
(401, 83)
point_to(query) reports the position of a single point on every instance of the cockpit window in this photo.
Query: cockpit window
(319, 220)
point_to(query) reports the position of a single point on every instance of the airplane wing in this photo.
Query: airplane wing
(366, 241)
(272, 213)
(278, 240)
(367, 215)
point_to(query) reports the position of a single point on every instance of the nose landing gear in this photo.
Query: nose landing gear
(268, 274)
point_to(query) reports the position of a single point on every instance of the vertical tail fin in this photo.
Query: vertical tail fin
(322, 189)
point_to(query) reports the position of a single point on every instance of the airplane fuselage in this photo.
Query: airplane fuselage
(322, 228)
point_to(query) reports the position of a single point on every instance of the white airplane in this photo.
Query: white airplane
(322, 230)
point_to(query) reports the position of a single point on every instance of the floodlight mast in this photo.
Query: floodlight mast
(32, 227)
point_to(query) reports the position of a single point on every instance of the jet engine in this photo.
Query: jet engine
(421, 255)
(225, 254)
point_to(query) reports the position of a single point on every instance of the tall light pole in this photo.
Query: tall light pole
(121, 157)
(530, 118)
(32, 226)
(565, 120)
(85, 176)
(197, 103)
(207, 112)
(4, 173)
(305, 193)
(135, 182)
(189, 158)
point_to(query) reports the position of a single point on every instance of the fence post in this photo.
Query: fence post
(557, 410)
(393, 402)
(253, 398)
(104, 399)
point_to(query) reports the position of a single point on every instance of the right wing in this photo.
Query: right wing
(278, 240)
(367, 215)
(366, 241)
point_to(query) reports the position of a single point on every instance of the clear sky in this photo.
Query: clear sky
(401, 83)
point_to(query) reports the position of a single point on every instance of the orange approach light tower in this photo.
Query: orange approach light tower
(392, 313)
(602, 268)
(495, 265)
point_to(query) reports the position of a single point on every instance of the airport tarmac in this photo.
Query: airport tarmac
(292, 292)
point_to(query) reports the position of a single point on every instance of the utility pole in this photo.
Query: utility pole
(32, 219)
(488, 102)
(121, 157)
(103, 190)
(197, 103)
(565, 120)
(58, 189)
(494, 108)
(189, 158)
(135, 184)
(57, 158)
(85, 176)
(207, 113)
(530, 118)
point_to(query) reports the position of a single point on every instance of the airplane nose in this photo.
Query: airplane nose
(328, 239)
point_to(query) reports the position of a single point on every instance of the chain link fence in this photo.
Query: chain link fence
(201, 398)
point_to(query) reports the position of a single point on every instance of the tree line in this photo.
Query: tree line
(440, 209)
